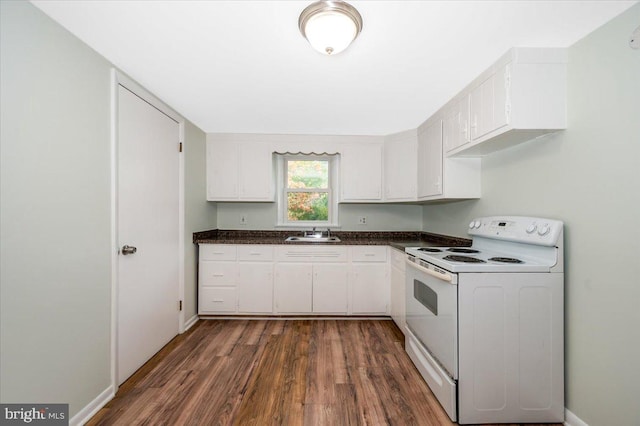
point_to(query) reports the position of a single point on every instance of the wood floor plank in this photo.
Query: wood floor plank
(278, 372)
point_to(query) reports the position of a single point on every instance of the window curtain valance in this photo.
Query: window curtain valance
(305, 153)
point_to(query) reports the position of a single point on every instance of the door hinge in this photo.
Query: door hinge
(180, 147)
(180, 305)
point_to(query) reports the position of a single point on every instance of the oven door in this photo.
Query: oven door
(432, 312)
(432, 330)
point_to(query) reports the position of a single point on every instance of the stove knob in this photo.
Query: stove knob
(472, 224)
(532, 228)
(477, 224)
(544, 230)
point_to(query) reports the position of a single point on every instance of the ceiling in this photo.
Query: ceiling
(243, 66)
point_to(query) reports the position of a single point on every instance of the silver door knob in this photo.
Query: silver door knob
(128, 250)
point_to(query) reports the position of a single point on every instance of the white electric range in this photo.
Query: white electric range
(485, 323)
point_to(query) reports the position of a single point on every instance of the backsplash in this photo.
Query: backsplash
(379, 217)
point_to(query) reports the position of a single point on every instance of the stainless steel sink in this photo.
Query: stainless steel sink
(314, 239)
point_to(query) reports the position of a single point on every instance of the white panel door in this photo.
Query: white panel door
(293, 290)
(148, 219)
(370, 287)
(361, 172)
(430, 160)
(255, 287)
(222, 171)
(330, 283)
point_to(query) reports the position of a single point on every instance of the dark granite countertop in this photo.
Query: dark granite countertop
(399, 240)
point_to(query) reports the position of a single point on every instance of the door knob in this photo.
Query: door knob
(128, 250)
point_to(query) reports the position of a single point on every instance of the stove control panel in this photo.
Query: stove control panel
(522, 229)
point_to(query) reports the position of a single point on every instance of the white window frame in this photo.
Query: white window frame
(283, 190)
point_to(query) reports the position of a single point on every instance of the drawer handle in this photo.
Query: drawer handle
(218, 300)
(369, 254)
(218, 275)
(254, 254)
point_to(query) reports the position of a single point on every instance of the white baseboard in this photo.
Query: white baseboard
(187, 325)
(571, 419)
(92, 408)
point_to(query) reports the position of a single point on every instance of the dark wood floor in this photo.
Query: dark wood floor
(296, 372)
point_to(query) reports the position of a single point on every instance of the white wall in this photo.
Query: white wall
(55, 248)
(380, 217)
(200, 215)
(589, 177)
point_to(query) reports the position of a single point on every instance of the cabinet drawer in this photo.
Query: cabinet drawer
(218, 273)
(398, 259)
(217, 299)
(309, 253)
(217, 252)
(259, 253)
(369, 254)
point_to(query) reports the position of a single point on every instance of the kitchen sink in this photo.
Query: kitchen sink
(313, 239)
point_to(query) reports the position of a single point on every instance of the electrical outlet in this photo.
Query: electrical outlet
(243, 219)
(362, 220)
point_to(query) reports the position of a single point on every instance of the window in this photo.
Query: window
(306, 196)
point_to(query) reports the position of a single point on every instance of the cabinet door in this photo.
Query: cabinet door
(222, 171)
(217, 299)
(255, 287)
(255, 172)
(398, 304)
(370, 288)
(361, 172)
(330, 283)
(455, 125)
(430, 160)
(400, 169)
(217, 273)
(501, 98)
(293, 290)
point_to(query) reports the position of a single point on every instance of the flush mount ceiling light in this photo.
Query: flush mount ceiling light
(330, 26)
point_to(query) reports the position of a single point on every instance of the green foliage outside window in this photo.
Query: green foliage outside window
(304, 203)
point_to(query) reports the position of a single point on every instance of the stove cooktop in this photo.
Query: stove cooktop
(478, 259)
(502, 244)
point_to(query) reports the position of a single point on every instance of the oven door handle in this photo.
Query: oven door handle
(439, 275)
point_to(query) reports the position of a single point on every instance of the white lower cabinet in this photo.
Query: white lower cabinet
(398, 303)
(369, 280)
(330, 284)
(370, 289)
(293, 289)
(217, 299)
(289, 280)
(255, 287)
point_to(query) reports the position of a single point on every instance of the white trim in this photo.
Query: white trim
(90, 410)
(296, 318)
(114, 227)
(571, 419)
(282, 190)
(190, 323)
(120, 79)
(181, 224)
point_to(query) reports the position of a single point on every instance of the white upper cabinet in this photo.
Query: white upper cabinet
(520, 97)
(222, 171)
(430, 159)
(439, 177)
(361, 172)
(239, 171)
(455, 126)
(400, 167)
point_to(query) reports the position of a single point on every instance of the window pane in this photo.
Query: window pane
(307, 174)
(307, 206)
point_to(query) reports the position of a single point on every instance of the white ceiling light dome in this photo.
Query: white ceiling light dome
(330, 25)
